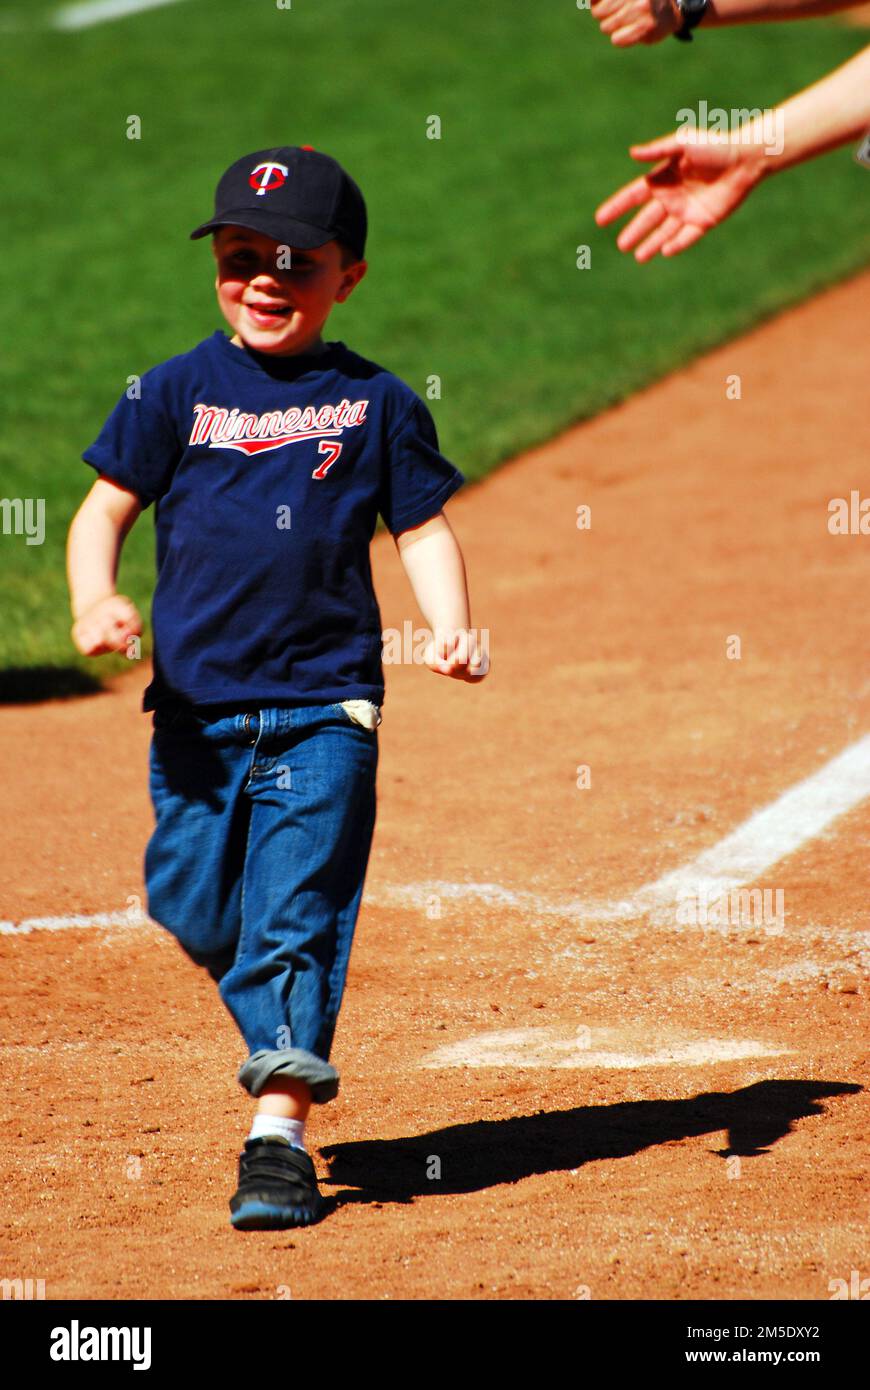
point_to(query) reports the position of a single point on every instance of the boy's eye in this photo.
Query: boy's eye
(245, 260)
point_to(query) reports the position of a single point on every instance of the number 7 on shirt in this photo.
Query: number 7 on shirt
(326, 446)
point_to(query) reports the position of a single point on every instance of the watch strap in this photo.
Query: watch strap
(692, 14)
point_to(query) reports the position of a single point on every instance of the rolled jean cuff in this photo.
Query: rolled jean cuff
(290, 1061)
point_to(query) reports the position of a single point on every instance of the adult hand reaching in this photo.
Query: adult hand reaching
(704, 175)
(700, 180)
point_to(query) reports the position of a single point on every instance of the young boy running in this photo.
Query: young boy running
(268, 456)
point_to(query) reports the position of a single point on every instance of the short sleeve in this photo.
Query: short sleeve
(417, 480)
(138, 446)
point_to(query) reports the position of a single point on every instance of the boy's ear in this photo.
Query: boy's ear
(350, 280)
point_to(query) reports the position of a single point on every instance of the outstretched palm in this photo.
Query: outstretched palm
(699, 182)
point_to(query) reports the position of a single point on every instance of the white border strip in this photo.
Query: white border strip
(98, 919)
(769, 835)
(772, 834)
(544, 1047)
(90, 12)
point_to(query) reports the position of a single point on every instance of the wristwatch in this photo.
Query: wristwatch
(693, 12)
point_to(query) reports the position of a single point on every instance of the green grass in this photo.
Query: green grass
(472, 248)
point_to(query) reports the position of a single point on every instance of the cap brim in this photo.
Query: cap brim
(270, 224)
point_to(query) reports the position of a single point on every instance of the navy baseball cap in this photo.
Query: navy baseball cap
(293, 194)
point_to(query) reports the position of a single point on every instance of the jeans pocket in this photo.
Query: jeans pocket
(172, 715)
(364, 713)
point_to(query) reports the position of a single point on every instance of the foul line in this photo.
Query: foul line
(90, 12)
(768, 836)
(97, 919)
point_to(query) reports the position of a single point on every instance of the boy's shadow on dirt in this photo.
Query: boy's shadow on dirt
(30, 685)
(488, 1152)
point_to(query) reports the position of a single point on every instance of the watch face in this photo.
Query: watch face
(693, 8)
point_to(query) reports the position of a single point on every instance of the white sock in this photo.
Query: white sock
(293, 1131)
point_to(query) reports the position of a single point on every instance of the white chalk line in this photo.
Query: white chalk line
(96, 919)
(769, 835)
(545, 1047)
(91, 12)
(801, 814)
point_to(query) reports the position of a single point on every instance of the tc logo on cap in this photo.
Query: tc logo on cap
(267, 176)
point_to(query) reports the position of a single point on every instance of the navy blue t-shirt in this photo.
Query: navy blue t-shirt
(267, 476)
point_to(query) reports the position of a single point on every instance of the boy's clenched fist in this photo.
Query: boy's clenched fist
(107, 626)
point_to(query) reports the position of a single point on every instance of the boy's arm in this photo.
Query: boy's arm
(104, 620)
(432, 560)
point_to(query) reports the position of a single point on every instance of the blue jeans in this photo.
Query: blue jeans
(264, 823)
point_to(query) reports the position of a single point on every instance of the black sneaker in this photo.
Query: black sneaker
(277, 1187)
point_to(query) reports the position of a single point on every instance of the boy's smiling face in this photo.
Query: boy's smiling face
(274, 308)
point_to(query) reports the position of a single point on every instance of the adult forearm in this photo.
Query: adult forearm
(832, 112)
(721, 12)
